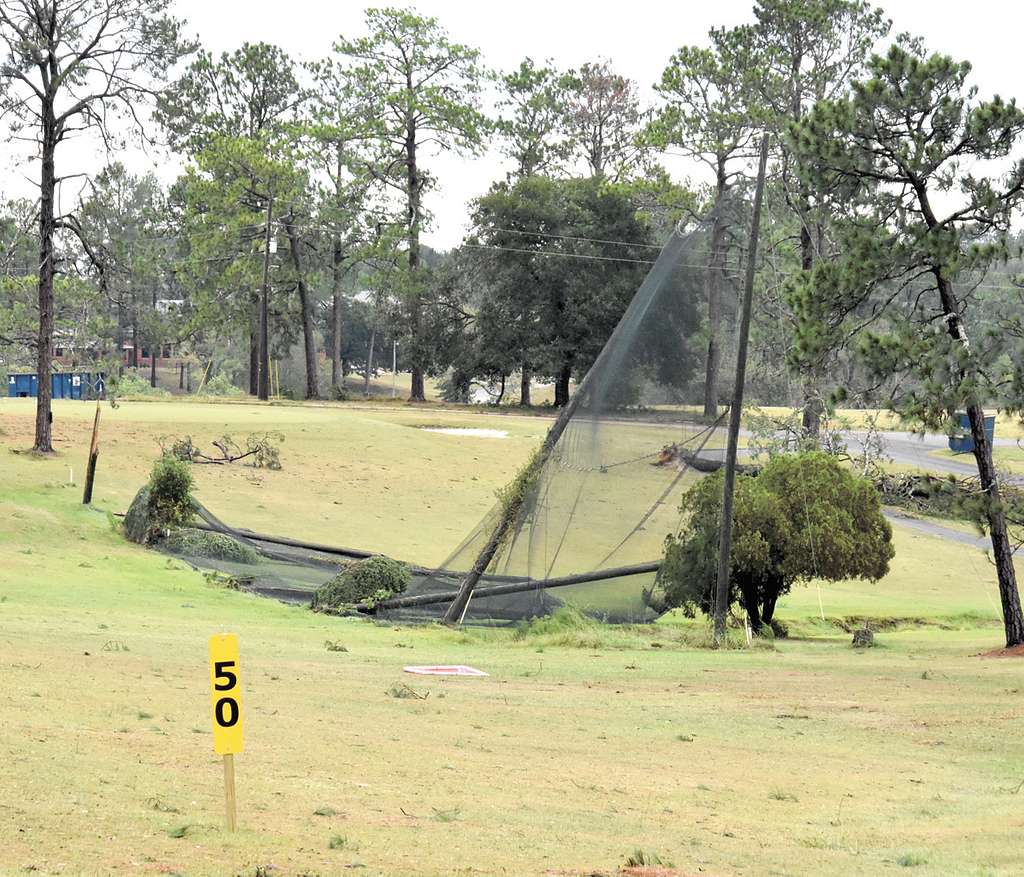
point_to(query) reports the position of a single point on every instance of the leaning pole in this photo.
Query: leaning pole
(510, 512)
(736, 408)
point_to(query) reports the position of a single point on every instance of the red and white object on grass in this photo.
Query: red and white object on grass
(445, 670)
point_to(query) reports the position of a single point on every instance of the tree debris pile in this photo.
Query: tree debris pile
(364, 582)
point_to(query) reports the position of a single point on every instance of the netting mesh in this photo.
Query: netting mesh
(593, 521)
(608, 494)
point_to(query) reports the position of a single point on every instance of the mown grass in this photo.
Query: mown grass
(585, 744)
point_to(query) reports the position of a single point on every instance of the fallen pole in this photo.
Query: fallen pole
(94, 452)
(516, 587)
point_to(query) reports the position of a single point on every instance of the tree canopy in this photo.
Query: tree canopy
(802, 517)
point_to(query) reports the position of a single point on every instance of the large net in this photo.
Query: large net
(601, 499)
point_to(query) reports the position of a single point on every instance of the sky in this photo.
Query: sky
(637, 37)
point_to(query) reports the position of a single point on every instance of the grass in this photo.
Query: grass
(584, 744)
(1011, 459)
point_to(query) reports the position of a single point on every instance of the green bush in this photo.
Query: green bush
(133, 385)
(366, 581)
(163, 504)
(201, 543)
(137, 518)
(220, 385)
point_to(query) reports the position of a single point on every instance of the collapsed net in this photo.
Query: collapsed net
(592, 525)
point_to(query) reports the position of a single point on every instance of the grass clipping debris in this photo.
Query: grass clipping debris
(216, 546)
(366, 582)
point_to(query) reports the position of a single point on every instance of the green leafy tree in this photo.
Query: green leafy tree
(803, 517)
(604, 119)
(130, 251)
(918, 232)
(708, 115)
(67, 67)
(228, 198)
(338, 148)
(243, 102)
(418, 89)
(551, 296)
(805, 51)
(532, 119)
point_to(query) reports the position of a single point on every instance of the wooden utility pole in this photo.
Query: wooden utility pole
(736, 410)
(94, 452)
(263, 376)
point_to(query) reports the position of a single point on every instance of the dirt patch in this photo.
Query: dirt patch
(1011, 652)
(475, 432)
(632, 871)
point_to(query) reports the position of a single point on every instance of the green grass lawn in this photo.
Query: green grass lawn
(1011, 459)
(584, 744)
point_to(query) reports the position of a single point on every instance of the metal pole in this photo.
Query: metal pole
(736, 409)
(263, 379)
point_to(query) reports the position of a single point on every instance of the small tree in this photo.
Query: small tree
(802, 517)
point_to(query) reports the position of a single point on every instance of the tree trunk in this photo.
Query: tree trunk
(263, 383)
(154, 348)
(1002, 550)
(749, 592)
(562, 385)
(414, 187)
(254, 349)
(501, 392)
(337, 369)
(181, 376)
(417, 392)
(44, 341)
(524, 386)
(338, 257)
(135, 345)
(713, 284)
(369, 362)
(188, 377)
(770, 599)
(308, 334)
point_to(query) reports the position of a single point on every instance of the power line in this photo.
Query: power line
(564, 255)
(565, 237)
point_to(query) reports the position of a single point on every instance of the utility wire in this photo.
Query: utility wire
(565, 237)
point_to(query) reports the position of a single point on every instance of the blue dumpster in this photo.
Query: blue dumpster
(962, 442)
(63, 385)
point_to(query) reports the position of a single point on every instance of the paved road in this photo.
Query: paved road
(909, 449)
(931, 528)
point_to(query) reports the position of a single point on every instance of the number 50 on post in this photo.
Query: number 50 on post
(226, 694)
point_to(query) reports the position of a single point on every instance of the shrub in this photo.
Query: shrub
(220, 385)
(200, 543)
(366, 581)
(133, 385)
(802, 517)
(163, 504)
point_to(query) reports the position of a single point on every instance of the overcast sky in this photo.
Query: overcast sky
(638, 37)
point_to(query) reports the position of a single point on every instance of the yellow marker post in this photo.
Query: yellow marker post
(226, 699)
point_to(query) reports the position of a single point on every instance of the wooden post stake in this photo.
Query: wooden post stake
(229, 790)
(94, 452)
